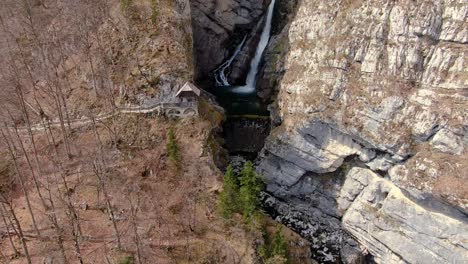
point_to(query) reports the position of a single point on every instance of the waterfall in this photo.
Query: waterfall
(250, 83)
(220, 73)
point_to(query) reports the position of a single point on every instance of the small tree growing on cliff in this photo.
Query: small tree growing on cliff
(279, 246)
(276, 250)
(173, 149)
(229, 197)
(251, 187)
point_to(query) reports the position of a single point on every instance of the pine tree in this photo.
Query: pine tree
(251, 187)
(279, 245)
(229, 197)
(173, 148)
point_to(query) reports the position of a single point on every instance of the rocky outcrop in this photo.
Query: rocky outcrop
(218, 27)
(380, 87)
(395, 228)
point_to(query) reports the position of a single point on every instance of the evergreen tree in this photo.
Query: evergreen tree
(251, 187)
(265, 249)
(279, 245)
(173, 148)
(229, 197)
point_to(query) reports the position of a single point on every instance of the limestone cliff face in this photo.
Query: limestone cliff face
(218, 27)
(372, 99)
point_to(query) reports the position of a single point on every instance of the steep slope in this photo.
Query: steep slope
(381, 86)
(94, 186)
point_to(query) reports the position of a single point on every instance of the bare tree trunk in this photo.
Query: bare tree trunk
(62, 125)
(4, 213)
(76, 242)
(67, 80)
(72, 214)
(111, 97)
(102, 185)
(98, 172)
(55, 223)
(21, 180)
(86, 36)
(56, 93)
(33, 173)
(18, 227)
(133, 211)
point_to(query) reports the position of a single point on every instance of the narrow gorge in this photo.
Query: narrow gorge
(363, 107)
(119, 118)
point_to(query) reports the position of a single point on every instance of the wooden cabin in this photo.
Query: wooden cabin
(188, 93)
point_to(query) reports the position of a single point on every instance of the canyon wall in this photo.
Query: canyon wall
(371, 147)
(218, 27)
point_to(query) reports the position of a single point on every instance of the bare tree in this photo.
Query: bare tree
(33, 172)
(52, 215)
(54, 88)
(134, 223)
(20, 177)
(110, 210)
(65, 195)
(5, 201)
(3, 211)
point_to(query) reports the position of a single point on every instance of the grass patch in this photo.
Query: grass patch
(127, 260)
(125, 4)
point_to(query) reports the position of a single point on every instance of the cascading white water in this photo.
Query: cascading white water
(250, 83)
(220, 73)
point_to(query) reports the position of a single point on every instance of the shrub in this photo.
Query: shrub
(126, 260)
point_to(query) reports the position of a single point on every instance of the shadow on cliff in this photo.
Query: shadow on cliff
(272, 68)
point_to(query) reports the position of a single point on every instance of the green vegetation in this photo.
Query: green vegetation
(276, 250)
(154, 12)
(229, 197)
(241, 193)
(125, 4)
(173, 148)
(251, 187)
(279, 247)
(127, 260)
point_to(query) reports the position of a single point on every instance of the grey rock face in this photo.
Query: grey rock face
(380, 86)
(398, 229)
(317, 147)
(309, 207)
(447, 141)
(218, 25)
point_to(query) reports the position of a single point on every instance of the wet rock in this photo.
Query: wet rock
(218, 26)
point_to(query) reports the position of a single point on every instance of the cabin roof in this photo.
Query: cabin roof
(189, 87)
